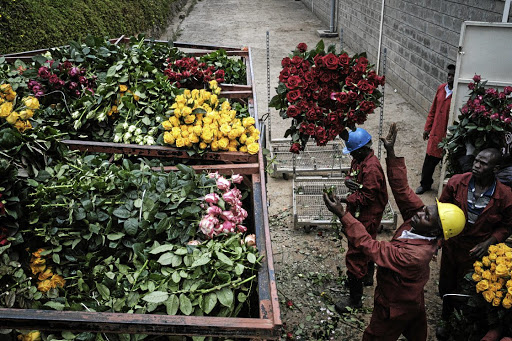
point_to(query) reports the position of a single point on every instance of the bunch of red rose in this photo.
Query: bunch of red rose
(66, 77)
(324, 94)
(190, 74)
(488, 103)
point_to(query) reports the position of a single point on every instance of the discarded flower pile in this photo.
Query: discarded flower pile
(203, 121)
(482, 121)
(225, 213)
(18, 116)
(493, 276)
(323, 93)
(190, 74)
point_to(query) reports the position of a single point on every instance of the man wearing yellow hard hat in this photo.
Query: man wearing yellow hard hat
(403, 262)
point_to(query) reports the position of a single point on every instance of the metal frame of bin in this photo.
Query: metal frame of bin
(317, 159)
(267, 325)
(309, 208)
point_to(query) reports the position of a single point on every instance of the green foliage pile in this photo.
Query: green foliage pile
(29, 24)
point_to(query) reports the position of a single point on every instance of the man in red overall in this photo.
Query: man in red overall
(435, 130)
(403, 263)
(366, 203)
(487, 204)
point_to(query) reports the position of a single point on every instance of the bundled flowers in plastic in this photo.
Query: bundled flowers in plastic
(323, 93)
(189, 73)
(493, 276)
(224, 211)
(17, 114)
(203, 121)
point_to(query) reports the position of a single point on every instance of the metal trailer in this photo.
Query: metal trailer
(309, 208)
(313, 159)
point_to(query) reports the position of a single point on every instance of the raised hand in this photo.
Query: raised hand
(390, 139)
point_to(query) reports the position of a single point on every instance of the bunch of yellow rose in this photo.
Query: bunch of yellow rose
(200, 119)
(47, 279)
(493, 276)
(34, 335)
(18, 117)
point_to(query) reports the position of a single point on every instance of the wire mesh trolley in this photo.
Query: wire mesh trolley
(309, 208)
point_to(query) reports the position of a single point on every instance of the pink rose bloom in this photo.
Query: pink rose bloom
(250, 240)
(494, 116)
(232, 196)
(207, 224)
(241, 228)
(214, 210)
(228, 226)
(237, 178)
(477, 78)
(507, 120)
(213, 175)
(227, 215)
(212, 198)
(223, 184)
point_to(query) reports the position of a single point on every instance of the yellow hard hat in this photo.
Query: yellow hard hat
(452, 219)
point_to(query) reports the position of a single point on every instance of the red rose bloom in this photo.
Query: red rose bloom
(306, 65)
(293, 82)
(293, 95)
(363, 85)
(302, 47)
(330, 61)
(344, 59)
(325, 77)
(283, 76)
(310, 129)
(296, 60)
(477, 78)
(471, 86)
(292, 111)
(342, 97)
(308, 77)
(318, 60)
(295, 148)
(285, 62)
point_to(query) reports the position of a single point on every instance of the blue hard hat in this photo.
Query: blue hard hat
(356, 139)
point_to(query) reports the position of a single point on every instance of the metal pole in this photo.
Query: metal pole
(341, 39)
(268, 89)
(381, 121)
(380, 34)
(332, 28)
(506, 11)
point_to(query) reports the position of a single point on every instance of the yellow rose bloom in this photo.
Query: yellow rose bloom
(10, 96)
(32, 336)
(203, 145)
(31, 102)
(486, 261)
(38, 253)
(214, 100)
(44, 286)
(248, 121)
(496, 302)
(508, 254)
(5, 88)
(177, 112)
(243, 138)
(493, 248)
(477, 263)
(493, 267)
(488, 295)
(501, 260)
(37, 268)
(135, 97)
(5, 109)
(20, 125)
(197, 130)
(213, 84)
(501, 270)
(509, 283)
(186, 111)
(492, 256)
(255, 136)
(215, 146)
(225, 106)
(123, 88)
(499, 294)
(494, 277)
(233, 134)
(174, 121)
(243, 149)
(476, 277)
(253, 148)
(223, 143)
(180, 142)
(189, 119)
(184, 133)
(193, 138)
(167, 125)
(45, 274)
(57, 281)
(250, 140)
(169, 137)
(225, 128)
(482, 285)
(506, 303)
(486, 274)
(176, 132)
(188, 143)
(37, 260)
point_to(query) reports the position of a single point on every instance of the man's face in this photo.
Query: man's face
(359, 154)
(450, 78)
(484, 165)
(426, 222)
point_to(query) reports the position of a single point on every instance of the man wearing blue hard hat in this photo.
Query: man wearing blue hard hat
(366, 202)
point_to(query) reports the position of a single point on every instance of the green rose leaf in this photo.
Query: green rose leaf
(176, 278)
(242, 297)
(156, 297)
(185, 305)
(161, 248)
(172, 304)
(54, 305)
(115, 236)
(122, 213)
(103, 290)
(166, 258)
(223, 258)
(225, 297)
(131, 226)
(209, 302)
(204, 259)
(251, 258)
(239, 269)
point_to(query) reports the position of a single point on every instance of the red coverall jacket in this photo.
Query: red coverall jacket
(437, 121)
(370, 201)
(495, 220)
(403, 267)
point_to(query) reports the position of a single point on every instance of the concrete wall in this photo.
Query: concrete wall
(421, 36)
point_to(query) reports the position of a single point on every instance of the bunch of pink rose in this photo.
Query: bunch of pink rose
(224, 211)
